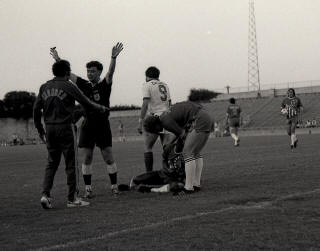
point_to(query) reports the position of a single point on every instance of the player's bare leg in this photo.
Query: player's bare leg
(87, 172)
(149, 141)
(234, 135)
(112, 169)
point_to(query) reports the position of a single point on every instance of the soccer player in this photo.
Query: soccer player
(170, 178)
(192, 125)
(233, 120)
(156, 100)
(95, 129)
(56, 103)
(293, 107)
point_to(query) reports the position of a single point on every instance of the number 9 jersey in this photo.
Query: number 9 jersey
(158, 94)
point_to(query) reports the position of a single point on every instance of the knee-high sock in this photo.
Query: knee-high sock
(87, 175)
(112, 171)
(190, 167)
(198, 171)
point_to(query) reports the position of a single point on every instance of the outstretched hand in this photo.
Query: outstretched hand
(54, 53)
(116, 50)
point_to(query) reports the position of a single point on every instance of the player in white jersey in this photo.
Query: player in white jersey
(156, 100)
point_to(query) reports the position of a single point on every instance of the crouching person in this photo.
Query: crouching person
(191, 124)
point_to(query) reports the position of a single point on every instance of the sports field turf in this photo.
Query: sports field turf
(260, 195)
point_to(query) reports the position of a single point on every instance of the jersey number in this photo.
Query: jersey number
(164, 93)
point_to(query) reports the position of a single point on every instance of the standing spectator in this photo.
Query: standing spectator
(56, 102)
(95, 129)
(293, 107)
(156, 100)
(314, 122)
(122, 137)
(233, 120)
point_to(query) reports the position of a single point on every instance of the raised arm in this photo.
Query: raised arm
(55, 55)
(114, 54)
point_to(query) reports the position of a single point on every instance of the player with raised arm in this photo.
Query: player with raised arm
(192, 124)
(95, 129)
(156, 100)
(233, 120)
(56, 104)
(291, 107)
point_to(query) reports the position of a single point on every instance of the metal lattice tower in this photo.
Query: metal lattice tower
(253, 64)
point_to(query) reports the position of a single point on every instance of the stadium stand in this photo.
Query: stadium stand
(257, 114)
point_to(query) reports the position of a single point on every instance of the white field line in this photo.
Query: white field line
(259, 205)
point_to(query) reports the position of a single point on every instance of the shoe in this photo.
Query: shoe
(115, 191)
(295, 144)
(183, 192)
(46, 202)
(291, 146)
(196, 188)
(78, 203)
(88, 194)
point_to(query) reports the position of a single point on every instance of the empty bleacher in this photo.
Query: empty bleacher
(257, 113)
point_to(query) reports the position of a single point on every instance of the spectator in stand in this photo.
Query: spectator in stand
(314, 122)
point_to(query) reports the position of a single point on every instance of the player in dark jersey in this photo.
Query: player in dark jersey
(95, 129)
(293, 107)
(233, 120)
(56, 103)
(191, 124)
(169, 177)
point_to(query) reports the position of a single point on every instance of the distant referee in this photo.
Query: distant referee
(56, 103)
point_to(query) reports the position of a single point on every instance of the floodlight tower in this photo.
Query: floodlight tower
(253, 63)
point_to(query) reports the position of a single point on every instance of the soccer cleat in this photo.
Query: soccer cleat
(88, 194)
(115, 191)
(291, 146)
(196, 188)
(46, 202)
(183, 192)
(77, 203)
(295, 144)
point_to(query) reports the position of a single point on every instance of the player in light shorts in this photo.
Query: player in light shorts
(156, 100)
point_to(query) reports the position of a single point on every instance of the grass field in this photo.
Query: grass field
(261, 195)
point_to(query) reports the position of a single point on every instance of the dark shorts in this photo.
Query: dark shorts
(203, 122)
(234, 122)
(96, 133)
(292, 121)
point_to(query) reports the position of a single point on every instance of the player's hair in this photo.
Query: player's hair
(61, 68)
(293, 91)
(232, 100)
(96, 64)
(152, 124)
(153, 72)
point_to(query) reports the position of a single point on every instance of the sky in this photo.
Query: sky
(194, 43)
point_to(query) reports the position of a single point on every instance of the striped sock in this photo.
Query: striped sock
(190, 167)
(198, 171)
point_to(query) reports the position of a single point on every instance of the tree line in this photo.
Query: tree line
(19, 104)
